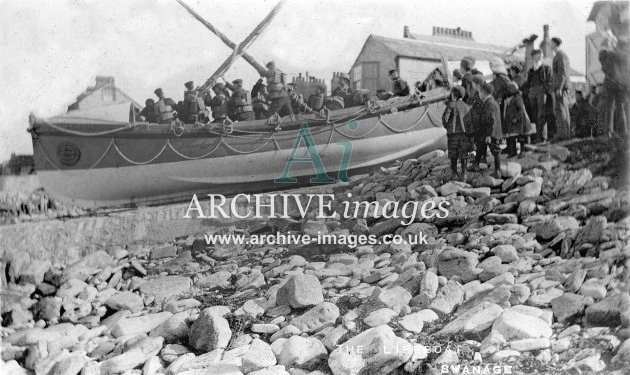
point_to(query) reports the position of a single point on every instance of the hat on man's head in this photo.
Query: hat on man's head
(321, 87)
(237, 82)
(218, 86)
(497, 66)
(468, 62)
(556, 40)
(158, 92)
(512, 88)
(460, 90)
(392, 71)
(270, 63)
(535, 52)
(478, 79)
(189, 85)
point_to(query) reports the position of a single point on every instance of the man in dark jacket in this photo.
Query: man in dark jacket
(399, 86)
(490, 126)
(537, 87)
(149, 111)
(560, 84)
(454, 120)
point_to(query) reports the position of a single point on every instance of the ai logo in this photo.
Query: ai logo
(314, 158)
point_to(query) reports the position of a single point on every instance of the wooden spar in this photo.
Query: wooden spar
(240, 49)
(221, 36)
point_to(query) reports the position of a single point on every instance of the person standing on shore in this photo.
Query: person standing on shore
(537, 87)
(560, 84)
(490, 126)
(453, 119)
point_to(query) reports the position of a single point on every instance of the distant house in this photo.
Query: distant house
(415, 56)
(103, 93)
(18, 165)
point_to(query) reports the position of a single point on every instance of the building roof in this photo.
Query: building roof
(435, 47)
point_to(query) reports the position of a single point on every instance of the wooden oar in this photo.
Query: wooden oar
(240, 49)
(221, 36)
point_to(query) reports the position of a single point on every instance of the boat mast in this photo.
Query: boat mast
(222, 36)
(240, 49)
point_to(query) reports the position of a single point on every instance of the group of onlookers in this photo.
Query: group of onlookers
(519, 109)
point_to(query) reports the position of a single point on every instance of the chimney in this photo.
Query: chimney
(406, 32)
(545, 44)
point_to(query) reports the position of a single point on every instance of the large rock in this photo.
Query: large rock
(612, 311)
(217, 280)
(125, 301)
(376, 351)
(139, 324)
(475, 320)
(514, 325)
(395, 298)
(86, 266)
(210, 331)
(300, 291)
(166, 287)
(133, 357)
(448, 298)
(568, 306)
(323, 315)
(302, 352)
(258, 356)
(452, 262)
(507, 253)
(174, 329)
(550, 228)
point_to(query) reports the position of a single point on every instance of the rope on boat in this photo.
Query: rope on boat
(227, 130)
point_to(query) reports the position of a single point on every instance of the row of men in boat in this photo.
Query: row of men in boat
(234, 103)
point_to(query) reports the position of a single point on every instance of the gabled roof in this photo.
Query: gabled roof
(434, 48)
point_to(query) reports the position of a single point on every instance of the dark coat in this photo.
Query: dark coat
(538, 79)
(560, 79)
(490, 119)
(474, 114)
(400, 87)
(516, 121)
(453, 118)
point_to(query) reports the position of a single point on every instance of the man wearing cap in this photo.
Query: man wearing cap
(149, 112)
(537, 87)
(164, 108)
(344, 91)
(194, 108)
(260, 100)
(240, 101)
(219, 103)
(316, 101)
(560, 84)
(468, 65)
(399, 86)
(280, 102)
(500, 81)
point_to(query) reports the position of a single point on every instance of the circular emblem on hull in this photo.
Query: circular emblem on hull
(68, 153)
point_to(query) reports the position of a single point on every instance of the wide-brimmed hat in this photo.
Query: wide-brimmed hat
(497, 66)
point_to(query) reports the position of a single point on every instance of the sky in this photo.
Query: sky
(50, 51)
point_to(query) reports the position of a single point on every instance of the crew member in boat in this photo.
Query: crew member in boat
(297, 100)
(344, 91)
(148, 113)
(316, 101)
(240, 101)
(399, 85)
(219, 103)
(164, 108)
(280, 102)
(260, 100)
(194, 108)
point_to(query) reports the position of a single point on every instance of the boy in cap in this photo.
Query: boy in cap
(240, 101)
(399, 85)
(453, 119)
(489, 128)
